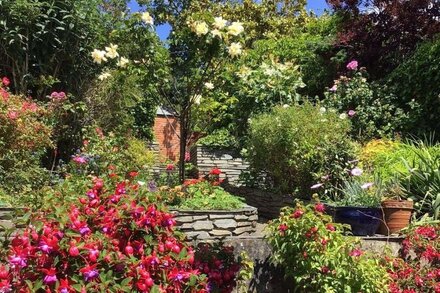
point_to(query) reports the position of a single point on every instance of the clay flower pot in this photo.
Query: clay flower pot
(396, 215)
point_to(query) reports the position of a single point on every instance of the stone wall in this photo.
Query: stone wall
(267, 203)
(231, 164)
(216, 223)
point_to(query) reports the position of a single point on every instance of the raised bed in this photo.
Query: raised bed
(203, 224)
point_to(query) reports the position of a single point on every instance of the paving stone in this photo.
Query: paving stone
(220, 233)
(242, 230)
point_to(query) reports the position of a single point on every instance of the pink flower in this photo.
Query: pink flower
(316, 186)
(187, 156)
(334, 88)
(356, 171)
(356, 252)
(170, 167)
(351, 113)
(367, 185)
(80, 160)
(5, 81)
(319, 207)
(57, 97)
(353, 65)
(12, 115)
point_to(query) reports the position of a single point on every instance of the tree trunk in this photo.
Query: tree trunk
(183, 140)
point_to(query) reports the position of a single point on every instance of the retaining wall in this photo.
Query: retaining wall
(216, 223)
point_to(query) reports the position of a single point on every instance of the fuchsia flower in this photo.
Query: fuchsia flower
(356, 252)
(353, 65)
(89, 272)
(351, 113)
(51, 277)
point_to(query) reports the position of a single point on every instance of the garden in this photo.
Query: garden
(219, 146)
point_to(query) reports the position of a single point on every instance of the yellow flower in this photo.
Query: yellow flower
(201, 28)
(209, 85)
(219, 22)
(216, 33)
(235, 49)
(146, 17)
(235, 28)
(98, 56)
(111, 51)
(104, 75)
(123, 62)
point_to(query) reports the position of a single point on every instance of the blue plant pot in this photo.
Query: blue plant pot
(363, 221)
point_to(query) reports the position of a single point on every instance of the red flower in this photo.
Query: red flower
(319, 207)
(282, 228)
(325, 270)
(297, 214)
(170, 167)
(330, 227)
(215, 171)
(133, 174)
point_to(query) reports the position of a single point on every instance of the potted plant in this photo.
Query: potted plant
(358, 204)
(396, 211)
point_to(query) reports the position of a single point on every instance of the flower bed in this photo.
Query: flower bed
(216, 223)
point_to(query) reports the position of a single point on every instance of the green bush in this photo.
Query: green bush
(294, 147)
(314, 252)
(373, 110)
(417, 79)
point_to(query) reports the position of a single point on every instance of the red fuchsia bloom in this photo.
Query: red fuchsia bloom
(80, 160)
(351, 113)
(98, 184)
(353, 65)
(64, 286)
(319, 207)
(418, 281)
(6, 81)
(215, 171)
(330, 227)
(316, 186)
(89, 272)
(297, 214)
(356, 252)
(51, 277)
(325, 270)
(5, 286)
(170, 167)
(17, 261)
(73, 251)
(13, 115)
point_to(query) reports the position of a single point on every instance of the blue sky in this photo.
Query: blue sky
(317, 6)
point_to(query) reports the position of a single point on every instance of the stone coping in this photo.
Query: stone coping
(245, 208)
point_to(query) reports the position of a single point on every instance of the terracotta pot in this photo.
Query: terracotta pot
(396, 215)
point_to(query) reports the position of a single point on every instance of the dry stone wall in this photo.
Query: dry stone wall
(216, 223)
(228, 161)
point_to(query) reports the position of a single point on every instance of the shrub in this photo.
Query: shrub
(294, 147)
(25, 134)
(111, 241)
(373, 110)
(418, 268)
(314, 252)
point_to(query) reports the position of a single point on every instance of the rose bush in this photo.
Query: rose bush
(314, 252)
(109, 240)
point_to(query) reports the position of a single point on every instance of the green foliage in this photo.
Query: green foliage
(417, 79)
(205, 196)
(314, 252)
(377, 112)
(422, 181)
(354, 193)
(218, 138)
(294, 147)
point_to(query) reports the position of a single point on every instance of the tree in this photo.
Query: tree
(382, 33)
